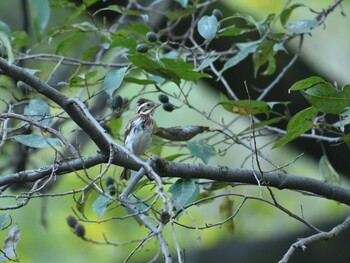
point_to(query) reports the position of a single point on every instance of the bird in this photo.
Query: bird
(139, 130)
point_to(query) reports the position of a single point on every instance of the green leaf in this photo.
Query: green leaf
(129, 42)
(306, 83)
(184, 192)
(115, 125)
(202, 150)
(5, 41)
(37, 141)
(327, 171)
(298, 124)
(38, 110)
(153, 67)
(100, 205)
(172, 157)
(140, 81)
(287, 12)
(208, 27)
(244, 50)
(82, 198)
(182, 69)
(234, 31)
(40, 15)
(119, 9)
(263, 54)
(20, 39)
(176, 14)
(183, 3)
(5, 221)
(113, 80)
(246, 107)
(302, 26)
(327, 98)
(206, 63)
(226, 210)
(10, 244)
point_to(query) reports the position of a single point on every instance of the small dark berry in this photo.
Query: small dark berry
(163, 98)
(218, 14)
(109, 181)
(79, 230)
(142, 48)
(165, 218)
(168, 107)
(152, 37)
(115, 102)
(71, 221)
(111, 189)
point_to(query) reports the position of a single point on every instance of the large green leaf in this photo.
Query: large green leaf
(327, 98)
(263, 54)
(306, 83)
(38, 110)
(299, 124)
(113, 80)
(208, 27)
(184, 192)
(100, 205)
(40, 15)
(202, 150)
(37, 141)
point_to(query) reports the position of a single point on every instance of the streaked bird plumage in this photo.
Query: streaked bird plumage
(138, 133)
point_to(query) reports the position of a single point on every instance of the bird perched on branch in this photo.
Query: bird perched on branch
(138, 133)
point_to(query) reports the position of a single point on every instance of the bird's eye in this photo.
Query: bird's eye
(148, 104)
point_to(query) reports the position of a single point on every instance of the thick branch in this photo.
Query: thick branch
(72, 109)
(198, 171)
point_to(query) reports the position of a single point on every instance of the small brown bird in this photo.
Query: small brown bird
(138, 133)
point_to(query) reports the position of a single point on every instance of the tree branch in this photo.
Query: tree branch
(301, 243)
(187, 171)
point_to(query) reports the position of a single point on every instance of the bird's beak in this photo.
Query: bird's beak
(157, 105)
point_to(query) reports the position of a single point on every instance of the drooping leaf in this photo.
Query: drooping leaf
(129, 42)
(5, 221)
(38, 110)
(244, 50)
(298, 124)
(180, 133)
(263, 54)
(40, 16)
(201, 150)
(302, 26)
(10, 244)
(287, 12)
(327, 98)
(5, 41)
(113, 80)
(327, 171)
(226, 210)
(306, 83)
(184, 192)
(37, 141)
(100, 205)
(140, 81)
(208, 27)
